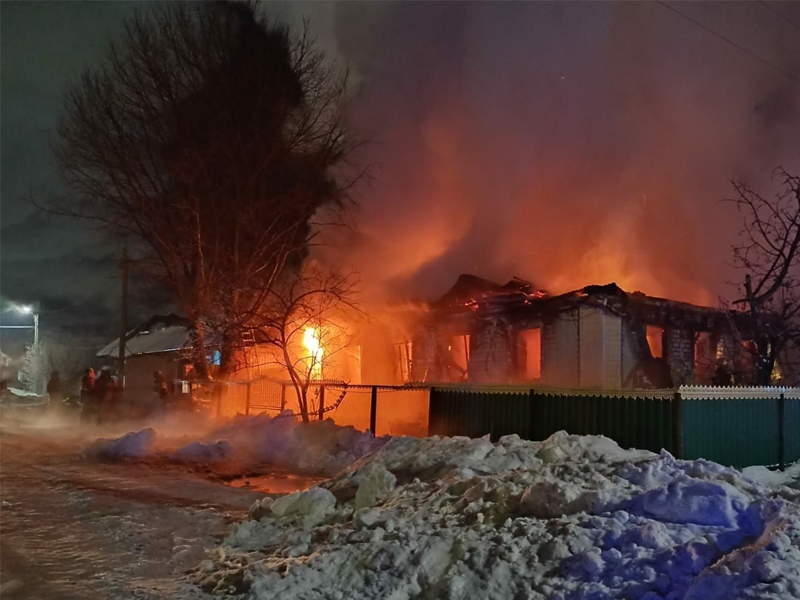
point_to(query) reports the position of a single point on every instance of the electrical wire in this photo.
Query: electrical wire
(732, 43)
(780, 14)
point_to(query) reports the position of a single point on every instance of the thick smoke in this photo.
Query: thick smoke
(566, 143)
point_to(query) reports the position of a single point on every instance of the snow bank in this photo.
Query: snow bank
(131, 445)
(316, 447)
(763, 475)
(571, 518)
(319, 446)
(200, 451)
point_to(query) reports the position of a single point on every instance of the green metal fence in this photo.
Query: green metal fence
(733, 426)
(639, 419)
(732, 431)
(792, 427)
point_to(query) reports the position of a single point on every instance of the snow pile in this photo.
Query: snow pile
(316, 447)
(21, 398)
(571, 518)
(789, 477)
(131, 445)
(319, 446)
(200, 451)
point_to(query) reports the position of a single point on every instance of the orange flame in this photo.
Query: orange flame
(311, 340)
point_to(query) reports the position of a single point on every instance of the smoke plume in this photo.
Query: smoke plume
(565, 143)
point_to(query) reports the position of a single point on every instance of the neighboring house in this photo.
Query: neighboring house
(598, 336)
(163, 343)
(158, 344)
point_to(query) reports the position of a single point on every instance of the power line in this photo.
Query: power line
(780, 14)
(732, 43)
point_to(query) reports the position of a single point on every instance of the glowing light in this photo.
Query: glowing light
(311, 340)
(25, 309)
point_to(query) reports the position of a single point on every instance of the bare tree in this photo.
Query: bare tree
(768, 255)
(306, 324)
(36, 368)
(62, 354)
(208, 139)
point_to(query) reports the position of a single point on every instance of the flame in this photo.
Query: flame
(311, 340)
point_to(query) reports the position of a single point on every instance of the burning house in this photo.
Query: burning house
(480, 332)
(599, 336)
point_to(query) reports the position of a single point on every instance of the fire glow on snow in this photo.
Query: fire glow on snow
(319, 447)
(571, 518)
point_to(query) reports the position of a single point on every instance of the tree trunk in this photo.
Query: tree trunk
(199, 356)
(227, 350)
(302, 397)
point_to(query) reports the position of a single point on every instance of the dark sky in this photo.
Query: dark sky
(568, 143)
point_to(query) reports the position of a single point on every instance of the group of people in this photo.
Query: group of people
(99, 397)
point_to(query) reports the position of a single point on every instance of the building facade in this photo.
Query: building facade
(595, 337)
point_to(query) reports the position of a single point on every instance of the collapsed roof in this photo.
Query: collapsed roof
(521, 301)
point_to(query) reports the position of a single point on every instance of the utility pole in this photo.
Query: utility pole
(123, 316)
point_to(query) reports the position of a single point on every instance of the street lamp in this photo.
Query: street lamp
(27, 309)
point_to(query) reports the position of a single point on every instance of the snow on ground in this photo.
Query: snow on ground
(319, 446)
(570, 518)
(73, 529)
(131, 445)
(789, 477)
(316, 447)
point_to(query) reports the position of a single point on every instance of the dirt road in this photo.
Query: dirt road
(75, 528)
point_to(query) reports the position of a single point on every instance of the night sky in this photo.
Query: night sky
(567, 143)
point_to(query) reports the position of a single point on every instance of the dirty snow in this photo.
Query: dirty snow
(570, 518)
(200, 451)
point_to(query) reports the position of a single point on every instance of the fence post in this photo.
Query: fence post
(373, 409)
(321, 401)
(782, 432)
(283, 397)
(677, 425)
(247, 400)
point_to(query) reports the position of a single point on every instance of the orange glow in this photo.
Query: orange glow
(655, 339)
(311, 340)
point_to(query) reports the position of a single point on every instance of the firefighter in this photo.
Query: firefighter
(103, 393)
(160, 389)
(88, 405)
(55, 390)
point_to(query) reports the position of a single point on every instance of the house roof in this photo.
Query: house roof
(470, 288)
(517, 298)
(160, 333)
(165, 333)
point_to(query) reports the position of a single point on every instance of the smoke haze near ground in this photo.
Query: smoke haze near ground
(566, 143)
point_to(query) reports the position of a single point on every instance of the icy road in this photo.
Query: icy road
(72, 527)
